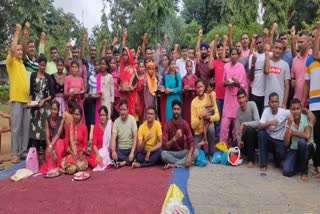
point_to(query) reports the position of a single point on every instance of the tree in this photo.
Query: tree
(277, 11)
(205, 12)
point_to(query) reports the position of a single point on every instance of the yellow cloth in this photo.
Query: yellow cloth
(144, 131)
(198, 106)
(152, 80)
(18, 80)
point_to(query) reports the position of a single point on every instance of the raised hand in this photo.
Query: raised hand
(114, 41)
(230, 28)
(274, 28)
(18, 27)
(43, 37)
(266, 33)
(293, 30)
(105, 43)
(200, 34)
(125, 33)
(68, 45)
(145, 38)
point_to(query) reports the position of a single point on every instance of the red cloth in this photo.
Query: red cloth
(82, 137)
(125, 76)
(169, 131)
(140, 98)
(97, 141)
(59, 148)
(218, 66)
(188, 96)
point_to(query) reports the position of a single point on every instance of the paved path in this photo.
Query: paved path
(227, 189)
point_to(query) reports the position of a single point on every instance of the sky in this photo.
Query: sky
(91, 10)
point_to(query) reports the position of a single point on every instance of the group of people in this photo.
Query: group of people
(144, 106)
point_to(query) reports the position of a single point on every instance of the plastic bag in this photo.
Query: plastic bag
(175, 206)
(173, 192)
(220, 157)
(222, 146)
(201, 159)
(32, 162)
(234, 156)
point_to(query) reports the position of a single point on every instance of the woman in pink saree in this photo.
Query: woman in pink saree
(234, 78)
(127, 75)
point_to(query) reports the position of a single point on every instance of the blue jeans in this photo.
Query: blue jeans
(297, 160)
(218, 123)
(123, 155)
(267, 144)
(154, 158)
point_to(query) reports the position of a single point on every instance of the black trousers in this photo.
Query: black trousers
(259, 102)
(249, 138)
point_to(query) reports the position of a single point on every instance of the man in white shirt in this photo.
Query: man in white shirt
(181, 63)
(272, 125)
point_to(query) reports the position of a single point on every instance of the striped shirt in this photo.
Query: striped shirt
(312, 73)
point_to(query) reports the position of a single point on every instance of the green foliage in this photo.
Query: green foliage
(277, 12)
(236, 34)
(4, 94)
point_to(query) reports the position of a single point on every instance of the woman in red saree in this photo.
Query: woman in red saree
(55, 150)
(101, 138)
(127, 75)
(76, 143)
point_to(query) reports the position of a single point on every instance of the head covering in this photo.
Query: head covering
(122, 63)
(151, 80)
(204, 44)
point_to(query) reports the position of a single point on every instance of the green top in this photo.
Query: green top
(124, 131)
(303, 123)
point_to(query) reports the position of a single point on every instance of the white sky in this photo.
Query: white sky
(91, 10)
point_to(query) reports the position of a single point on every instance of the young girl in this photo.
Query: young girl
(150, 87)
(162, 73)
(58, 85)
(105, 88)
(67, 115)
(140, 104)
(173, 86)
(55, 144)
(74, 87)
(188, 85)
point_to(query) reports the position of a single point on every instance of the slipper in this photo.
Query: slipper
(116, 164)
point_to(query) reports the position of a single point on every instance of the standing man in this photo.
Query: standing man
(277, 75)
(247, 123)
(181, 63)
(271, 134)
(19, 97)
(312, 90)
(201, 117)
(149, 141)
(257, 75)
(51, 67)
(286, 54)
(124, 137)
(177, 141)
(299, 64)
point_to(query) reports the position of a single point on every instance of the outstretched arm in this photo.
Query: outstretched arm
(83, 46)
(25, 39)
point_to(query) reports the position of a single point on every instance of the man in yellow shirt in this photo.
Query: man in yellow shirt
(19, 97)
(149, 141)
(203, 111)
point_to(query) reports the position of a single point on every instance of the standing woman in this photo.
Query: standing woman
(115, 75)
(127, 75)
(234, 78)
(150, 87)
(55, 150)
(58, 85)
(41, 90)
(74, 87)
(105, 87)
(188, 92)
(173, 85)
(140, 104)
(162, 73)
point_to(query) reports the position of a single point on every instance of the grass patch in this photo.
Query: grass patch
(5, 108)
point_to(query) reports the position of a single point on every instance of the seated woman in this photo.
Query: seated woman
(101, 138)
(55, 150)
(76, 143)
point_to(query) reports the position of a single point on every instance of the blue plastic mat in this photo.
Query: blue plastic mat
(6, 173)
(180, 178)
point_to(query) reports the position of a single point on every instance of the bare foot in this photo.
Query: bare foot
(263, 169)
(201, 143)
(316, 175)
(122, 163)
(168, 166)
(304, 178)
(136, 165)
(250, 165)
